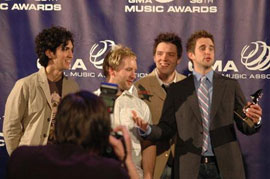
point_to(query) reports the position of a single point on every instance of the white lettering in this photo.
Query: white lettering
(79, 64)
(83, 74)
(176, 9)
(213, 9)
(192, 9)
(3, 6)
(230, 65)
(2, 141)
(217, 66)
(260, 76)
(101, 75)
(141, 75)
(36, 7)
(140, 1)
(136, 8)
(201, 1)
(236, 76)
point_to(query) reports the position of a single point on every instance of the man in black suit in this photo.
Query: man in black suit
(204, 149)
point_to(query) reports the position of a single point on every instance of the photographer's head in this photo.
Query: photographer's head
(82, 119)
(120, 66)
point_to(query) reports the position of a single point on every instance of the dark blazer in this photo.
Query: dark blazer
(181, 116)
(153, 94)
(57, 161)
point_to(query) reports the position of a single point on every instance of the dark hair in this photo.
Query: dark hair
(190, 47)
(50, 39)
(82, 119)
(169, 38)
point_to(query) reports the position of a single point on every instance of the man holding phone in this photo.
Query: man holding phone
(119, 67)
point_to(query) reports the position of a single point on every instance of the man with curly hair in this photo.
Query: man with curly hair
(31, 106)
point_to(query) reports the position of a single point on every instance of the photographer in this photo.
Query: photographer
(82, 133)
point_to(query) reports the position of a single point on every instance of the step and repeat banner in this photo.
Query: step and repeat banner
(242, 38)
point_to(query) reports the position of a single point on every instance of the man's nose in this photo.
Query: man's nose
(207, 50)
(133, 74)
(70, 53)
(164, 56)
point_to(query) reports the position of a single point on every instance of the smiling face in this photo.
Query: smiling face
(62, 57)
(203, 55)
(166, 58)
(125, 73)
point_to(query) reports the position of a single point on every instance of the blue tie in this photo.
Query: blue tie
(204, 106)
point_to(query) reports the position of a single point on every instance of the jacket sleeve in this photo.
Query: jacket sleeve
(14, 112)
(240, 102)
(166, 127)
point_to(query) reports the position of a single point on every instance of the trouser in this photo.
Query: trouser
(209, 169)
(168, 170)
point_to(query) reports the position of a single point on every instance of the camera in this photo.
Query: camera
(108, 94)
(109, 152)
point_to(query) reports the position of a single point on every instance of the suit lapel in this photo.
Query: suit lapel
(65, 86)
(192, 99)
(155, 86)
(218, 90)
(43, 82)
(179, 77)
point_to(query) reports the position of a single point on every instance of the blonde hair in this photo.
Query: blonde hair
(115, 56)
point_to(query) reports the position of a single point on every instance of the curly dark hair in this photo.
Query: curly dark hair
(169, 38)
(190, 46)
(82, 118)
(50, 39)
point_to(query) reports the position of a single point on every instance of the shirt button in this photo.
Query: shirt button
(44, 135)
(48, 119)
(166, 155)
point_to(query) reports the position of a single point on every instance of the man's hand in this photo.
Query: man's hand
(140, 123)
(118, 146)
(123, 154)
(253, 111)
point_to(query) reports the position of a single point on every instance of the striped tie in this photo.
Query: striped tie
(204, 106)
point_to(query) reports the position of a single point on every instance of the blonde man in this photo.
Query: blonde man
(120, 67)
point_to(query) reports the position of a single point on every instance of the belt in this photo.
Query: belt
(208, 159)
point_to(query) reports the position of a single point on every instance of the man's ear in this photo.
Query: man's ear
(111, 72)
(49, 54)
(178, 60)
(190, 55)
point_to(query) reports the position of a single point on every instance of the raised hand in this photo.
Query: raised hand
(120, 150)
(139, 121)
(122, 153)
(253, 111)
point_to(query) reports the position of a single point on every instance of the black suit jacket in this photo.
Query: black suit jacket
(181, 116)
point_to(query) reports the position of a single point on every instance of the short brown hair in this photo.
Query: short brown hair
(190, 46)
(82, 119)
(115, 56)
(169, 38)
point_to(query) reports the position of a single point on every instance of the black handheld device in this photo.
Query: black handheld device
(108, 94)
